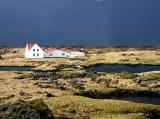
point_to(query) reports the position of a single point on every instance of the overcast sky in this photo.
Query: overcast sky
(80, 22)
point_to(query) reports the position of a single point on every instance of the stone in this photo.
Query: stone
(77, 84)
(138, 81)
(49, 95)
(114, 81)
(22, 93)
(61, 86)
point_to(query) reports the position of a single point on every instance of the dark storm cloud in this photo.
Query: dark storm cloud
(136, 21)
(80, 22)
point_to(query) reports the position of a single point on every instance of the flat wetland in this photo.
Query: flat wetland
(71, 91)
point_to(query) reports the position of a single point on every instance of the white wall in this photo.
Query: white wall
(34, 52)
(26, 52)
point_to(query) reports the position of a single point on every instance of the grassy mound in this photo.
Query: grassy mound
(103, 108)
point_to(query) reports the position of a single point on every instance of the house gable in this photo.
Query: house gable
(33, 51)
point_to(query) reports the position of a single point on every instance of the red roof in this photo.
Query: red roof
(49, 50)
(30, 46)
(69, 51)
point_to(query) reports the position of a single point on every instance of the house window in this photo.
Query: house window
(37, 49)
(37, 54)
(34, 50)
(34, 55)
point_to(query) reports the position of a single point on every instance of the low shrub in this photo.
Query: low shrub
(53, 84)
(101, 52)
(63, 66)
(103, 80)
(57, 75)
(126, 75)
(45, 75)
(72, 74)
(38, 75)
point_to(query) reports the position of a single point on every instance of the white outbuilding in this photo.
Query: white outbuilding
(55, 53)
(33, 51)
(74, 54)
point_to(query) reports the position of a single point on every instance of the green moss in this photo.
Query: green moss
(153, 76)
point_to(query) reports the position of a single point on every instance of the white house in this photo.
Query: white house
(74, 54)
(33, 51)
(55, 53)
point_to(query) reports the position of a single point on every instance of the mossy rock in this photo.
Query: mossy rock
(26, 110)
